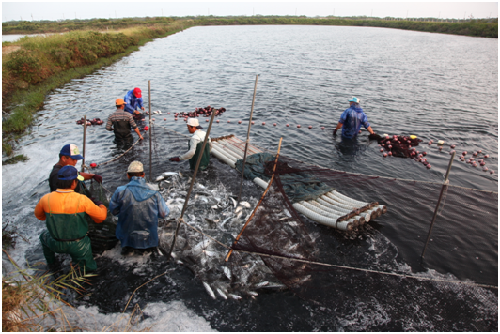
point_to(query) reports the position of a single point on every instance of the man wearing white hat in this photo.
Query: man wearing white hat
(351, 120)
(138, 208)
(195, 145)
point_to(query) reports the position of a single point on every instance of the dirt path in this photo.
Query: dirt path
(9, 49)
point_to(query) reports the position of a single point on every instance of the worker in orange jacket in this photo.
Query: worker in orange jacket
(65, 213)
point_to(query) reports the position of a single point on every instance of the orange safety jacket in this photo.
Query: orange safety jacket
(65, 212)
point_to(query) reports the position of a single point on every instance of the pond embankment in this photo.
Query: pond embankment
(32, 67)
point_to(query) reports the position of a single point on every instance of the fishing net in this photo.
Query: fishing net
(103, 235)
(372, 280)
(357, 276)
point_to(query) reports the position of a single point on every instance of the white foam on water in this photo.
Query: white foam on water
(172, 316)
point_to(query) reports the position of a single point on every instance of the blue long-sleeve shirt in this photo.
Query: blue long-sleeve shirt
(132, 102)
(138, 208)
(351, 120)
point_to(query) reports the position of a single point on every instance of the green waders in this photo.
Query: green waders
(66, 233)
(205, 159)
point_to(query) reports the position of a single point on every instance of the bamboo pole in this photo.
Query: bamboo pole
(149, 127)
(260, 201)
(191, 186)
(84, 141)
(445, 186)
(248, 137)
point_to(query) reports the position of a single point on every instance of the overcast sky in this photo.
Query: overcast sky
(27, 11)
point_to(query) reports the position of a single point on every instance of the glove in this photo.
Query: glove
(335, 132)
(96, 201)
(175, 159)
(98, 178)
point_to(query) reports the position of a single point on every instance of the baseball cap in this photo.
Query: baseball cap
(137, 92)
(69, 172)
(135, 167)
(194, 122)
(71, 150)
(120, 102)
(355, 100)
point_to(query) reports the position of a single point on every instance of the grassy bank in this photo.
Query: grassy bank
(45, 63)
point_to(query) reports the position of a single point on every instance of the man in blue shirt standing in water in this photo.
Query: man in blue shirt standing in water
(133, 99)
(351, 120)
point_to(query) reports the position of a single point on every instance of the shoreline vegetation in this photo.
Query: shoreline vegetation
(77, 48)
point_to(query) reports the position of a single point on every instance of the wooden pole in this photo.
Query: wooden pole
(149, 127)
(248, 136)
(191, 186)
(445, 186)
(84, 141)
(260, 201)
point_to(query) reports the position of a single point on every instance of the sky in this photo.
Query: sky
(39, 10)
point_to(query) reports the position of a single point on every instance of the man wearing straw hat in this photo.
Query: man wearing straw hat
(195, 145)
(351, 120)
(122, 122)
(138, 208)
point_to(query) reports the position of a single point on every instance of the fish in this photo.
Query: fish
(221, 293)
(236, 297)
(246, 205)
(261, 284)
(227, 272)
(159, 178)
(170, 174)
(209, 290)
(234, 201)
(252, 293)
(238, 209)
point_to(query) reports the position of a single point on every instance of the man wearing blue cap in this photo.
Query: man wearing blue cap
(68, 156)
(352, 119)
(65, 211)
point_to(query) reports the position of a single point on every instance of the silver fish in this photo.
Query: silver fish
(234, 202)
(209, 290)
(159, 178)
(246, 205)
(261, 284)
(221, 293)
(170, 174)
(252, 293)
(227, 272)
(230, 295)
(238, 209)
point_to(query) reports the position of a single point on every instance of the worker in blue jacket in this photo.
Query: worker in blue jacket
(138, 208)
(133, 99)
(351, 120)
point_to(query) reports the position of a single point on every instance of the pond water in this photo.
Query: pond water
(437, 87)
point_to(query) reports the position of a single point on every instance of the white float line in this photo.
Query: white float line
(337, 205)
(220, 150)
(227, 152)
(360, 218)
(236, 148)
(344, 197)
(344, 225)
(232, 148)
(240, 142)
(353, 220)
(221, 156)
(342, 202)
